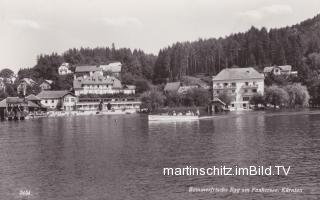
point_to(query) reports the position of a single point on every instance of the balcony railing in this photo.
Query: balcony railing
(222, 87)
(250, 86)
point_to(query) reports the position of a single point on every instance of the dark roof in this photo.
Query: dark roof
(285, 67)
(217, 100)
(172, 87)
(50, 94)
(32, 97)
(33, 105)
(238, 74)
(87, 68)
(11, 100)
(97, 79)
(14, 100)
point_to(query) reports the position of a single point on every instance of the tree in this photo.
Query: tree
(173, 99)
(298, 95)
(152, 99)
(6, 73)
(257, 99)
(142, 85)
(199, 96)
(276, 96)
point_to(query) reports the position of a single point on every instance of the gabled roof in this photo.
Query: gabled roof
(48, 81)
(65, 65)
(217, 100)
(172, 87)
(11, 100)
(285, 67)
(3, 103)
(96, 79)
(238, 74)
(29, 81)
(130, 87)
(114, 67)
(50, 94)
(268, 69)
(32, 97)
(87, 68)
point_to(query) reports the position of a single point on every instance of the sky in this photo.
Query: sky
(29, 28)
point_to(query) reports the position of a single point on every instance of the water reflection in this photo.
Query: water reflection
(121, 157)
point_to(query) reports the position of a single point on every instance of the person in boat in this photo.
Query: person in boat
(198, 112)
(174, 113)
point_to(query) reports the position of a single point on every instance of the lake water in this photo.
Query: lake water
(122, 157)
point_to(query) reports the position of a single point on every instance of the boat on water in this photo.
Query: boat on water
(173, 117)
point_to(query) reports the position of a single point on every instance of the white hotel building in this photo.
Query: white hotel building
(90, 80)
(240, 83)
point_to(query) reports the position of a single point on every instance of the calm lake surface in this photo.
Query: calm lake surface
(122, 157)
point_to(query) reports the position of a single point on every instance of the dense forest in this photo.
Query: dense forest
(137, 65)
(297, 45)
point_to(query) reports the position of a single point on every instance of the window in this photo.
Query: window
(72, 100)
(244, 105)
(254, 90)
(247, 83)
(245, 91)
(233, 84)
(232, 105)
(233, 91)
(218, 91)
(46, 101)
(225, 84)
(246, 98)
(52, 101)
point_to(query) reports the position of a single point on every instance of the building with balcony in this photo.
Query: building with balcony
(58, 100)
(64, 69)
(240, 84)
(279, 70)
(46, 85)
(105, 104)
(113, 68)
(98, 84)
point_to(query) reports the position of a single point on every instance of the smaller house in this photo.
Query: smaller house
(58, 100)
(129, 89)
(185, 88)
(179, 88)
(46, 85)
(64, 69)
(114, 68)
(218, 106)
(172, 87)
(24, 83)
(279, 70)
(87, 70)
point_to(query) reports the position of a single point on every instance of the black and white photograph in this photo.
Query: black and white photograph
(159, 99)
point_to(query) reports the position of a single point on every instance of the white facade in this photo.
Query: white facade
(64, 69)
(240, 88)
(67, 103)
